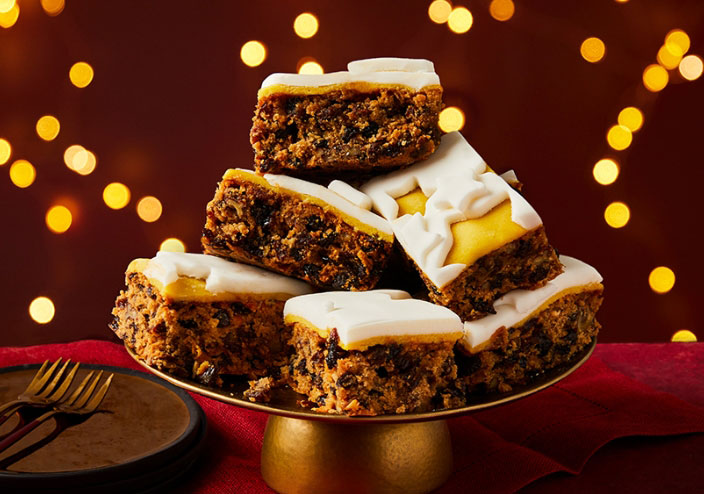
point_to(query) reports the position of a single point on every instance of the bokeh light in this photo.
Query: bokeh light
(606, 171)
(53, 7)
(502, 10)
(592, 49)
(6, 6)
(661, 279)
(116, 195)
(22, 173)
(42, 310)
(305, 25)
(149, 209)
(59, 219)
(81, 74)
(8, 19)
(677, 42)
(80, 160)
(655, 78)
(691, 67)
(619, 137)
(668, 59)
(684, 336)
(48, 127)
(439, 11)
(460, 20)
(631, 118)
(310, 67)
(617, 215)
(5, 151)
(253, 53)
(451, 119)
(172, 245)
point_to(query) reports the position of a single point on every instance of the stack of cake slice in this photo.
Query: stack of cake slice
(503, 307)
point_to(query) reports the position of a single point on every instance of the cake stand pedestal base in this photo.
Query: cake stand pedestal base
(314, 457)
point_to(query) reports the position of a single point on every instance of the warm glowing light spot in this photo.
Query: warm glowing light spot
(172, 245)
(621, 1)
(668, 59)
(48, 127)
(451, 119)
(84, 162)
(253, 53)
(619, 137)
(655, 78)
(592, 49)
(5, 151)
(6, 6)
(631, 118)
(116, 195)
(606, 171)
(81, 74)
(661, 279)
(53, 7)
(310, 67)
(502, 10)
(617, 215)
(59, 219)
(8, 19)
(149, 209)
(677, 42)
(42, 310)
(22, 173)
(306, 25)
(691, 67)
(70, 155)
(439, 11)
(684, 336)
(460, 20)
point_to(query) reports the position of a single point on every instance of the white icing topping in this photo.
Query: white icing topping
(415, 74)
(458, 187)
(356, 197)
(361, 316)
(328, 196)
(509, 176)
(517, 305)
(220, 276)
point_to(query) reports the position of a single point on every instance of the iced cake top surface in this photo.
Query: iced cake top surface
(517, 306)
(427, 201)
(413, 73)
(339, 196)
(171, 269)
(362, 319)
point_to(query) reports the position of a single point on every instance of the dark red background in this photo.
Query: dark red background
(171, 104)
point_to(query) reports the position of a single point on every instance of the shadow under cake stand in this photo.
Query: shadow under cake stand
(308, 452)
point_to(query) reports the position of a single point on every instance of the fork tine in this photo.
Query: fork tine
(85, 396)
(30, 388)
(98, 398)
(61, 391)
(45, 377)
(79, 389)
(55, 381)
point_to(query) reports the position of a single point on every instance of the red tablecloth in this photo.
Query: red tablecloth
(537, 444)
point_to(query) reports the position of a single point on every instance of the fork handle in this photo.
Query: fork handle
(10, 404)
(19, 434)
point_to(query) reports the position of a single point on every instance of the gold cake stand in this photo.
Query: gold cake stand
(306, 452)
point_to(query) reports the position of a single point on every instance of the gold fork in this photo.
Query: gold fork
(39, 394)
(79, 403)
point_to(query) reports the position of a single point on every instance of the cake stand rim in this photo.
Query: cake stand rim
(551, 377)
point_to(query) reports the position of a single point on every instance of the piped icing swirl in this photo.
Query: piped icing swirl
(220, 276)
(362, 319)
(413, 73)
(517, 306)
(337, 197)
(457, 187)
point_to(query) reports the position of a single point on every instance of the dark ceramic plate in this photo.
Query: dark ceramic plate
(285, 401)
(145, 435)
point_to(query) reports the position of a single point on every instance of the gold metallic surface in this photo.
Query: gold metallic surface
(307, 457)
(285, 401)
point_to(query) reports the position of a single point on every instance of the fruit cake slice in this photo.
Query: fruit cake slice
(203, 317)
